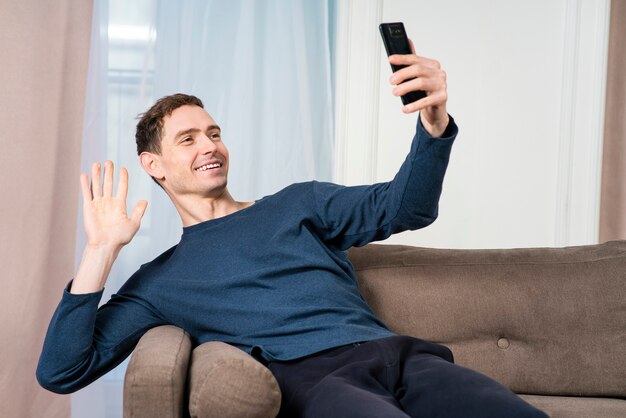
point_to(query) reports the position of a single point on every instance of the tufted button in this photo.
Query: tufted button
(503, 343)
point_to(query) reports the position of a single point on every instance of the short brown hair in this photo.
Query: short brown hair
(150, 126)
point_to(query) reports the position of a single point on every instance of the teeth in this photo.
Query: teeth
(209, 166)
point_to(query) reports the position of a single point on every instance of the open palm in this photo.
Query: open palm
(105, 216)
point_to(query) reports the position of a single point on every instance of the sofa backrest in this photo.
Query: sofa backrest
(548, 321)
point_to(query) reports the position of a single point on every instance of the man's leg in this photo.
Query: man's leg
(335, 396)
(344, 382)
(431, 386)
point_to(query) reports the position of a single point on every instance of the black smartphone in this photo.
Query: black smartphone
(396, 42)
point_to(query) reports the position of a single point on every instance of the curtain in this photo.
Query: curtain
(262, 69)
(613, 195)
(43, 49)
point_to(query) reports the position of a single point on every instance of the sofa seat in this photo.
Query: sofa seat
(578, 407)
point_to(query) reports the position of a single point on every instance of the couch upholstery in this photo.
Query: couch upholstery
(549, 323)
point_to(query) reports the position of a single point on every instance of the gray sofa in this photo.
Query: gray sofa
(549, 323)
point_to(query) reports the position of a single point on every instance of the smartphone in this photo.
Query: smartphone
(396, 42)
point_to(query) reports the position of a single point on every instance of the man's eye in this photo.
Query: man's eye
(216, 135)
(188, 139)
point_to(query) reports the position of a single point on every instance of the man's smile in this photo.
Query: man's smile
(208, 166)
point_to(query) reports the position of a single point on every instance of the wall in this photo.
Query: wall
(526, 87)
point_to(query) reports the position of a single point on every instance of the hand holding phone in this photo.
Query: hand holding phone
(396, 42)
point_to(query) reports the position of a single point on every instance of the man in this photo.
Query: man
(270, 277)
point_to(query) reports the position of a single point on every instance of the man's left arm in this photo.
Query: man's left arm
(354, 216)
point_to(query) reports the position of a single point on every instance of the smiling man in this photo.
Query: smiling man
(180, 146)
(270, 277)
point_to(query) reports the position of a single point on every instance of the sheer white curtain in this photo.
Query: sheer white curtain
(262, 69)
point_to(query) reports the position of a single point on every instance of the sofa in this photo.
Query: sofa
(549, 323)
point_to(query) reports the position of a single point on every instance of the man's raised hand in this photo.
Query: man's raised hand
(105, 216)
(423, 74)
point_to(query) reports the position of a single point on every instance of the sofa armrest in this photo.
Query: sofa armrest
(226, 382)
(154, 384)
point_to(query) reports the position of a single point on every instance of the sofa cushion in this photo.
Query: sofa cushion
(548, 321)
(225, 382)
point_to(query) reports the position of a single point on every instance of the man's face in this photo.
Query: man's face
(193, 159)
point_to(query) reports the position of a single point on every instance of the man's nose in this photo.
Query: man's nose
(207, 145)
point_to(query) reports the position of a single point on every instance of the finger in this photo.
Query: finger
(416, 70)
(107, 187)
(421, 66)
(122, 185)
(411, 59)
(429, 83)
(407, 73)
(95, 180)
(139, 210)
(84, 187)
(435, 99)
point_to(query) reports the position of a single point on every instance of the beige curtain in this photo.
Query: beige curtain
(613, 197)
(44, 48)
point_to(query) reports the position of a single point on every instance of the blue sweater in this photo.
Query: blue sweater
(272, 279)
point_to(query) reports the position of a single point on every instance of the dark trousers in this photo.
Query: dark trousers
(391, 377)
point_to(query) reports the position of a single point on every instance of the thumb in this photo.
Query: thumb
(139, 210)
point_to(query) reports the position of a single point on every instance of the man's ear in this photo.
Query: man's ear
(150, 162)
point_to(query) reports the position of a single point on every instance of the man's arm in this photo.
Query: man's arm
(83, 343)
(107, 226)
(354, 216)
(357, 215)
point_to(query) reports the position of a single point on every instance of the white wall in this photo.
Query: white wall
(526, 87)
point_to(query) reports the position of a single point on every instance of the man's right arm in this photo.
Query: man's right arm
(83, 343)
(107, 225)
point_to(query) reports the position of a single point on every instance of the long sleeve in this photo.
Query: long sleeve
(84, 342)
(354, 216)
